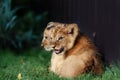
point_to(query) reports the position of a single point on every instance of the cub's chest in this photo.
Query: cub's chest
(56, 62)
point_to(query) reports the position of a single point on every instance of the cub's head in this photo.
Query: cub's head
(46, 41)
(59, 37)
(63, 37)
(50, 29)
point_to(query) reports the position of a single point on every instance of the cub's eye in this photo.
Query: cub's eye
(46, 37)
(60, 38)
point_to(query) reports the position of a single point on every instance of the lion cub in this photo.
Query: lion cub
(73, 52)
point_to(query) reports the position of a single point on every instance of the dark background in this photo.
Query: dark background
(93, 16)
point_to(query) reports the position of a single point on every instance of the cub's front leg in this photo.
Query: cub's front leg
(56, 63)
(53, 63)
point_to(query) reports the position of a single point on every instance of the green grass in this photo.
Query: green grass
(33, 64)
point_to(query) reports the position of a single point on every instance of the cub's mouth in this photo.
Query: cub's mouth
(58, 51)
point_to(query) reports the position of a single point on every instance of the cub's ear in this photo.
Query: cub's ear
(50, 25)
(73, 30)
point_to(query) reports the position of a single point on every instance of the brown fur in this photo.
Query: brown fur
(83, 57)
(73, 52)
